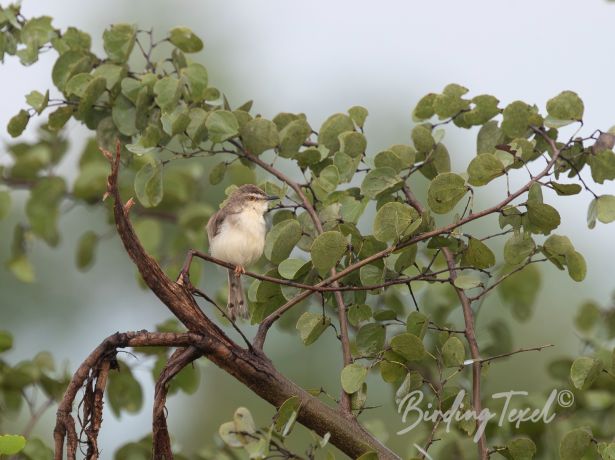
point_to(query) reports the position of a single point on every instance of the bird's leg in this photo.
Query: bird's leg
(239, 270)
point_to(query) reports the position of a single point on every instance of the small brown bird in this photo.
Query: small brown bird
(237, 235)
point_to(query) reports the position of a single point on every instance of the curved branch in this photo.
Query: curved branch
(161, 442)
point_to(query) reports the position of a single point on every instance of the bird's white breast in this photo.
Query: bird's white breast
(241, 238)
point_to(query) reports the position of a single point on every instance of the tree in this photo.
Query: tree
(157, 120)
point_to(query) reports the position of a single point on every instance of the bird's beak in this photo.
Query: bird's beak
(272, 197)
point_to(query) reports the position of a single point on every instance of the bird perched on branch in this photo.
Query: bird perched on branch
(237, 235)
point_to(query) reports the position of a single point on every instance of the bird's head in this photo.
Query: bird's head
(251, 196)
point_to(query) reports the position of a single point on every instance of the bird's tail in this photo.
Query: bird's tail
(237, 306)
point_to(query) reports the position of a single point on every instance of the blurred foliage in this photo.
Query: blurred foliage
(179, 135)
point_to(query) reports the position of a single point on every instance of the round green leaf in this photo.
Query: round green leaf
(6, 340)
(85, 250)
(69, 64)
(352, 143)
(332, 127)
(484, 168)
(518, 117)
(574, 444)
(584, 371)
(567, 105)
(352, 377)
(422, 139)
(167, 91)
(358, 114)
(521, 449)
(311, 326)
(259, 135)
(417, 324)
(119, 41)
(370, 338)
(221, 126)
(185, 40)
(453, 352)
(327, 249)
(292, 137)
(124, 391)
(518, 248)
(577, 267)
(148, 184)
(445, 191)
(395, 221)
(286, 415)
(467, 281)
(11, 444)
(409, 346)
(281, 240)
(380, 181)
(543, 217)
(603, 209)
(18, 123)
(291, 269)
(477, 255)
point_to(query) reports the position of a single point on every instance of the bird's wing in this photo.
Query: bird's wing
(213, 225)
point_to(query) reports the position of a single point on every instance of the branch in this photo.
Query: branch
(161, 442)
(250, 367)
(520, 350)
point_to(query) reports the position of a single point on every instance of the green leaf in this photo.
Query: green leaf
(18, 123)
(221, 126)
(577, 267)
(11, 444)
(450, 102)
(422, 138)
(167, 92)
(520, 289)
(112, 73)
(311, 326)
(124, 391)
(424, 108)
(58, 118)
(566, 106)
(259, 135)
(518, 248)
(6, 341)
(417, 324)
(124, 115)
(281, 240)
(484, 168)
(352, 143)
(196, 77)
(601, 208)
(574, 444)
(292, 137)
(358, 114)
(602, 166)
(453, 352)
(85, 250)
(380, 181)
(518, 117)
(327, 249)
(42, 208)
(359, 313)
(352, 377)
(148, 183)
(371, 275)
(332, 127)
(566, 189)
(445, 191)
(584, 371)
(395, 221)
(477, 255)
(185, 40)
(93, 90)
(119, 41)
(286, 415)
(588, 316)
(543, 217)
(21, 267)
(521, 449)
(91, 183)
(409, 346)
(69, 64)
(229, 435)
(38, 101)
(370, 338)
(291, 269)
(467, 281)
(38, 31)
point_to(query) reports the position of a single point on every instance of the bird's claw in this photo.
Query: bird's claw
(239, 270)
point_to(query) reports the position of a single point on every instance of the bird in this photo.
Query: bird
(236, 234)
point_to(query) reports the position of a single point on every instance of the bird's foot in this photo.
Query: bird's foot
(239, 270)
